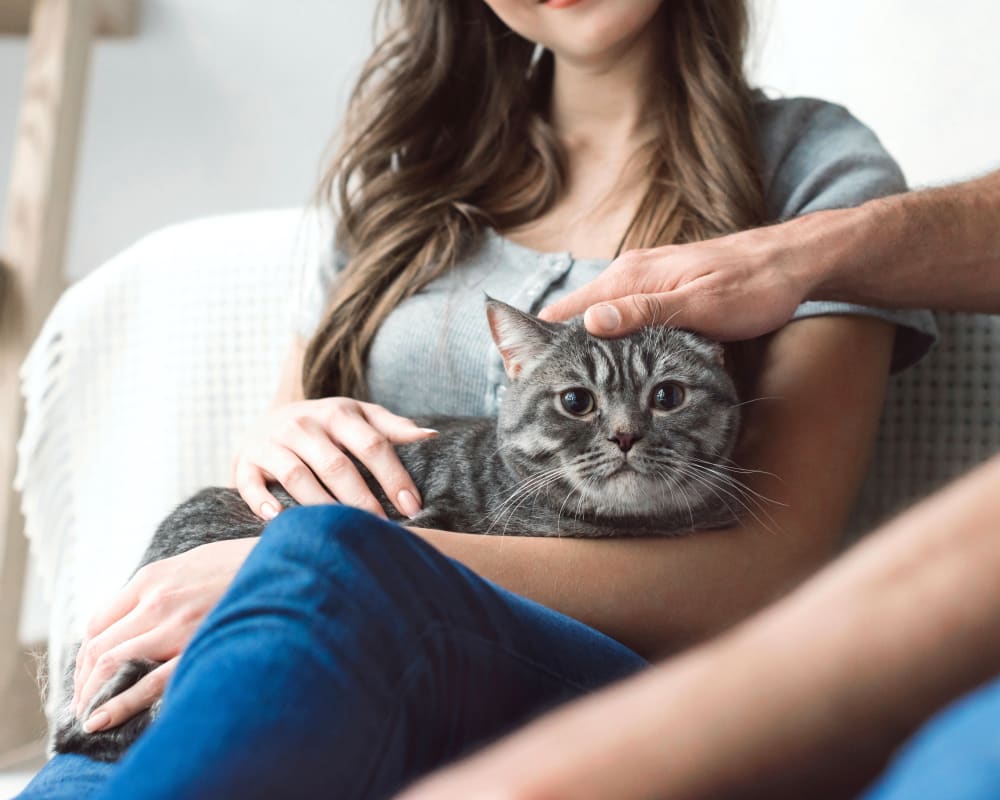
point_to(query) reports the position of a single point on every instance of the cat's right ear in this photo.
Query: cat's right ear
(520, 338)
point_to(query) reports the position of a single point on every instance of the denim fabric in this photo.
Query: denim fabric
(347, 658)
(955, 756)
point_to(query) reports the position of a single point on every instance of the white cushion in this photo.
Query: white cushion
(144, 378)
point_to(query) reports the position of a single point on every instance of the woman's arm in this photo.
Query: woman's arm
(822, 382)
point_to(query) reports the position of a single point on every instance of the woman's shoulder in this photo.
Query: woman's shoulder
(817, 155)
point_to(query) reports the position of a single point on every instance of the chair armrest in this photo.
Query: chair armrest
(137, 391)
(940, 419)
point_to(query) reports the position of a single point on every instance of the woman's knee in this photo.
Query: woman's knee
(349, 550)
(327, 533)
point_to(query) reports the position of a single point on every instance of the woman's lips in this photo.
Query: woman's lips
(558, 3)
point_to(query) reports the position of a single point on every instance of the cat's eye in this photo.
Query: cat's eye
(667, 396)
(577, 402)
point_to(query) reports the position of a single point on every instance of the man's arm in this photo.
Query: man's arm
(808, 699)
(937, 248)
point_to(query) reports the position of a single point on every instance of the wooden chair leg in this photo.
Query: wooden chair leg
(35, 237)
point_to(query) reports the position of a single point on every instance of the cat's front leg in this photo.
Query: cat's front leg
(110, 744)
(429, 518)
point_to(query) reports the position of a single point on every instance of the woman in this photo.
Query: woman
(349, 655)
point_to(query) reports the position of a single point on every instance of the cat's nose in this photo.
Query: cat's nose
(625, 440)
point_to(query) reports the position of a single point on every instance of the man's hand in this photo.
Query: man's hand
(735, 287)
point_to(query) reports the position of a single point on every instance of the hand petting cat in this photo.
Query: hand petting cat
(734, 287)
(303, 446)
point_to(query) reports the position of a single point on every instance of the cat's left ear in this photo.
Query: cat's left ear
(520, 338)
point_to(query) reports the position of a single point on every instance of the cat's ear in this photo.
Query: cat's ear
(520, 338)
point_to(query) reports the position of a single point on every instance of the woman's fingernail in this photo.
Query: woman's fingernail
(606, 317)
(430, 431)
(408, 503)
(269, 511)
(96, 722)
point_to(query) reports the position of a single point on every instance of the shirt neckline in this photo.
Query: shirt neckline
(540, 255)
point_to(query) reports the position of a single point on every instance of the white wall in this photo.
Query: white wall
(216, 106)
(226, 105)
(924, 74)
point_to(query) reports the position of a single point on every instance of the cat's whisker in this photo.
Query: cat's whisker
(731, 466)
(671, 484)
(755, 400)
(722, 494)
(720, 478)
(724, 475)
(575, 487)
(525, 496)
(529, 487)
(526, 487)
(718, 482)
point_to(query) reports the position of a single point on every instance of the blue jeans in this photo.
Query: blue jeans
(347, 658)
(955, 756)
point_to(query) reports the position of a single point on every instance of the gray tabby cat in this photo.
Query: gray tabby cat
(595, 437)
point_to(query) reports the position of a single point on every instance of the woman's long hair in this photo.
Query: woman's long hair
(447, 133)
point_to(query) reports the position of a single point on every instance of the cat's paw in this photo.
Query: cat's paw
(110, 744)
(427, 518)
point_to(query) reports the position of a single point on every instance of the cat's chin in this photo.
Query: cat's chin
(627, 492)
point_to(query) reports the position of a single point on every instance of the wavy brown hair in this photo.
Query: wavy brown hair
(447, 132)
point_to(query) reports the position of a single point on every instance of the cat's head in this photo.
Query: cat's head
(637, 426)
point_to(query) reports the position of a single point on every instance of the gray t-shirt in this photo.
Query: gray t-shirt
(434, 354)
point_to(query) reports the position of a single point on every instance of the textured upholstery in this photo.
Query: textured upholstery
(941, 417)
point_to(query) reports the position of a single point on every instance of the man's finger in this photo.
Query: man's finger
(598, 290)
(628, 314)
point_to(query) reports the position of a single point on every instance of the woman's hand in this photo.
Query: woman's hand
(734, 287)
(154, 616)
(304, 446)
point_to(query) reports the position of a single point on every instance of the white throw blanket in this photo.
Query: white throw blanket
(143, 380)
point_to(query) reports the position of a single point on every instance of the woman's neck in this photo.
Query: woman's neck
(600, 114)
(602, 103)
